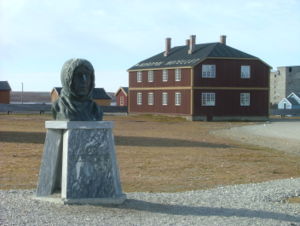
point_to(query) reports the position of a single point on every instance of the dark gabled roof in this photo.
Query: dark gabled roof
(58, 90)
(179, 57)
(98, 93)
(292, 101)
(125, 89)
(4, 85)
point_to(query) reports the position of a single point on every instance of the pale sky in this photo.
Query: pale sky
(38, 36)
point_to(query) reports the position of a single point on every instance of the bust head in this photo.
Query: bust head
(77, 78)
(75, 101)
(82, 80)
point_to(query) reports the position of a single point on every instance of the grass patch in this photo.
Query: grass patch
(155, 154)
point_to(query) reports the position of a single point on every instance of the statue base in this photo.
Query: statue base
(79, 160)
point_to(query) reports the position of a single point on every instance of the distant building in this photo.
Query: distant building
(209, 81)
(99, 96)
(284, 81)
(292, 101)
(4, 92)
(122, 96)
(18, 97)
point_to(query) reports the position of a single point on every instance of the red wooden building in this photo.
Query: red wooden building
(4, 92)
(122, 96)
(211, 81)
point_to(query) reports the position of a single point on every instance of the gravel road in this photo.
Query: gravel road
(280, 135)
(249, 204)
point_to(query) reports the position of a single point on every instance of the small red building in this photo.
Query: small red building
(4, 92)
(210, 81)
(122, 96)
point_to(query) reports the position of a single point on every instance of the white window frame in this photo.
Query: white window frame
(150, 76)
(150, 98)
(139, 76)
(177, 99)
(165, 75)
(139, 97)
(208, 70)
(245, 99)
(121, 100)
(177, 74)
(245, 71)
(208, 99)
(164, 98)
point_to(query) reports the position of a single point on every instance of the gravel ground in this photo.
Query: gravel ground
(280, 135)
(249, 204)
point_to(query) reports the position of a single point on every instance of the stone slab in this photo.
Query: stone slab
(89, 165)
(79, 157)
(78, 124)
(50, 170)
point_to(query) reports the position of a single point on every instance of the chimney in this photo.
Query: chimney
(192, 44)
(168, 47)
(223, 39)
(187, 42)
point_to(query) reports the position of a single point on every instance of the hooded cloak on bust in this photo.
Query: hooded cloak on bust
(71, 106)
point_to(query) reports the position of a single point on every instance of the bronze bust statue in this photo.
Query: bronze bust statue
(75, 102)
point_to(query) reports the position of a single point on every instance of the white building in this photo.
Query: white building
(292, 101)
(284, 81)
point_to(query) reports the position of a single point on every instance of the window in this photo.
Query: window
(150, 98)
(139, 76)
(121, 100)
(245, 99)
(208, 99)
(164, 98)
(150, 76)
(245, 71)
(177, 99)
(208, 71)
(165, 75)
(177, 74)
(139, 98)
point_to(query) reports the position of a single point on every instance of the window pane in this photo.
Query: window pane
(208, 71)
(165, 76)
(245, 99)
(139, 98)
(150, 98)
(139, 76)
(245, 71)
(164, 98)
(150, 76)
(177, 74)
(177, 99)
(208, 99)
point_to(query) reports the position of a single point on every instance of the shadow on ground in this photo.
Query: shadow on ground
(39, 138)
(22, 137)
(163, 142)
(139, 205)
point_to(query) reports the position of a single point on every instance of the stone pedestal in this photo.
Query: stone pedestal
(79, 160)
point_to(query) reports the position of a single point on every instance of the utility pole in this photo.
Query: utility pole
(22, 94)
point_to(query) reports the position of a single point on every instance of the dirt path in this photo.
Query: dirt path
(280, 135)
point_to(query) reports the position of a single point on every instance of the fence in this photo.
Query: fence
(283, 112)
(42, 108)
